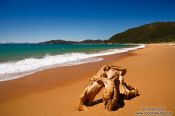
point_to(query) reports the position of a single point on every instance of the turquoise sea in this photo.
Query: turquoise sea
(17, 60)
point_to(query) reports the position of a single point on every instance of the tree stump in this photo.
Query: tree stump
(111, 78)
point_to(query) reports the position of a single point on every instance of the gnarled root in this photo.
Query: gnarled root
(110, 103)
(92, 89)
(82, 107)
(130, 92)
(110, 93)
(89, 94)
(126, 90)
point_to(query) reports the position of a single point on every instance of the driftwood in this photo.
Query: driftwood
(92, 89)
(127, 91)
(111, 78)
(110, 93)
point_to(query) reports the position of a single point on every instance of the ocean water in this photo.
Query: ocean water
(18, 60)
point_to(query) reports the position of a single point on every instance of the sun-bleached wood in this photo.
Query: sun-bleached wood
(111, 78)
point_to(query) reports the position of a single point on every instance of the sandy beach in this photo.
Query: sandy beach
(55, 92)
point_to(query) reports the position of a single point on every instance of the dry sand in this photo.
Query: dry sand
(55, 92)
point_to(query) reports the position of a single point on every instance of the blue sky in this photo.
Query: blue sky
(41, 20)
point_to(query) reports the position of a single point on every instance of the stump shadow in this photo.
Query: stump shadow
(97, 102)
(120, 103)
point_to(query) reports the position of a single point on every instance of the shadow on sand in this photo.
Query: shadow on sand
(120, 103)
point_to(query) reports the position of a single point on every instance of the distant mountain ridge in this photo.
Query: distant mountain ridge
(72, 42)
(58, 42)
(149, 33)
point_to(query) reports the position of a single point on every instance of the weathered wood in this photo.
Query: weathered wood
(110, 93)
(92, 89)
(127, 91)
(111, 78)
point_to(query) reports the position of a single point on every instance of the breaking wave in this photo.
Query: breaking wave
(14, 70)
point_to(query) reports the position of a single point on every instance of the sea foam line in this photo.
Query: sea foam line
(14, 70)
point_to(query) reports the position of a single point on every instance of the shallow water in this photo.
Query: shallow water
(17, 60)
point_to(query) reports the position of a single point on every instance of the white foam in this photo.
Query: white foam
(14, 70)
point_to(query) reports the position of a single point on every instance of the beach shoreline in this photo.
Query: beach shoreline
(67, 55)
(58, 89)
(43, 77)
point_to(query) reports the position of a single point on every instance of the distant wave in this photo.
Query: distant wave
(14, 70)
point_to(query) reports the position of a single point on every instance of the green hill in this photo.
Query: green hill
(149, 33)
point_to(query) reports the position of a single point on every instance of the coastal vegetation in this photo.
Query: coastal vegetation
(150, 33)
